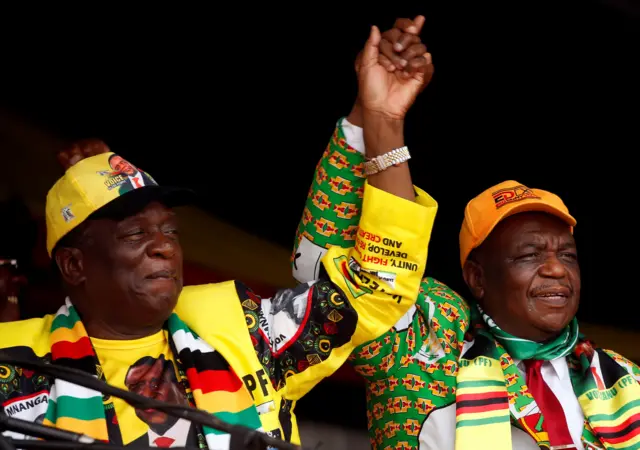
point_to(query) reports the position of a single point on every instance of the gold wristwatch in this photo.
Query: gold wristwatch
(382, 162)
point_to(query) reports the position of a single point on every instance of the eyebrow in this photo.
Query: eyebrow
(541, 243)
(531, 242)
(169, 216)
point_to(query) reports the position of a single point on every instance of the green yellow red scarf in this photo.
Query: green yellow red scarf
(214, 387)
(608, 394)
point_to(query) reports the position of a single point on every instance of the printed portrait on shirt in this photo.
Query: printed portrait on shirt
(291, 304)
(156, 378)
(282, 316)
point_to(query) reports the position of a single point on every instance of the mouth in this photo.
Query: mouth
(162, 275)
(555, 297)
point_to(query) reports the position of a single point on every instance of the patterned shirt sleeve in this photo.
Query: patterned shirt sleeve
(332, 209)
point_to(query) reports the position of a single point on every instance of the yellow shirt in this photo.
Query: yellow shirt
(147, 367)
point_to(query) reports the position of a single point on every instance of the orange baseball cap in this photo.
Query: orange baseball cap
(484, 212)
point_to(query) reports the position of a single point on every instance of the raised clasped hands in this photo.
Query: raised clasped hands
(393, 69)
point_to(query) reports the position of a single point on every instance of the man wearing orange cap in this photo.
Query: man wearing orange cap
(219, 347)
(507, 371)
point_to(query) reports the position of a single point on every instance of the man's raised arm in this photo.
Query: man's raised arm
(306, 333)
(334, 203)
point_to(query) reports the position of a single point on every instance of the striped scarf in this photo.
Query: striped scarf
(213, 386)
(491, 395)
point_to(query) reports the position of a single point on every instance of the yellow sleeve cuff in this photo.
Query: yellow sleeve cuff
(382, 273)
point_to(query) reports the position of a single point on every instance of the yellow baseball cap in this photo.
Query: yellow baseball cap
(484, 212)
(102, 184)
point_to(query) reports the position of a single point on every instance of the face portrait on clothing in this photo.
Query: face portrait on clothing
(156, 379)
(291, 304)
(121, 165)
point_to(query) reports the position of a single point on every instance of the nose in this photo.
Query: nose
(145, 391)
(552, 268)
(161, 246)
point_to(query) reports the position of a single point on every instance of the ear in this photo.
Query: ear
(70, 262)
(474, 277)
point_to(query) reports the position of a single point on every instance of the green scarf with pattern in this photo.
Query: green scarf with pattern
(523, 349)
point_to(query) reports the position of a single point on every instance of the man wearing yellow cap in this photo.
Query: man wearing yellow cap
(507, 371)
(129, 321)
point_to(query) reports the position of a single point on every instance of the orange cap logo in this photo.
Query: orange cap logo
(512, 194)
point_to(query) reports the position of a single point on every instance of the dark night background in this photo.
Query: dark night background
(240, 105)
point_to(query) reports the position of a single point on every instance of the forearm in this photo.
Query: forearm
(381, 135)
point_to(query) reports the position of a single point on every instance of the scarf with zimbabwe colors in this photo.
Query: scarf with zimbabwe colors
(488, 377)
(81, 410)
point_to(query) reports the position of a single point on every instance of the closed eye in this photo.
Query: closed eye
(171, 232)
(527, 256)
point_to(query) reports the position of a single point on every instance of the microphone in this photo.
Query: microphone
(241, 436)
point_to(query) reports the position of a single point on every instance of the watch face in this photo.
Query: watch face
(370, 167)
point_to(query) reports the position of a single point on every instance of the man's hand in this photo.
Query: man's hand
(400, 52)
(402, 49)
(386, 93)
(80, 150)
(393, 70)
